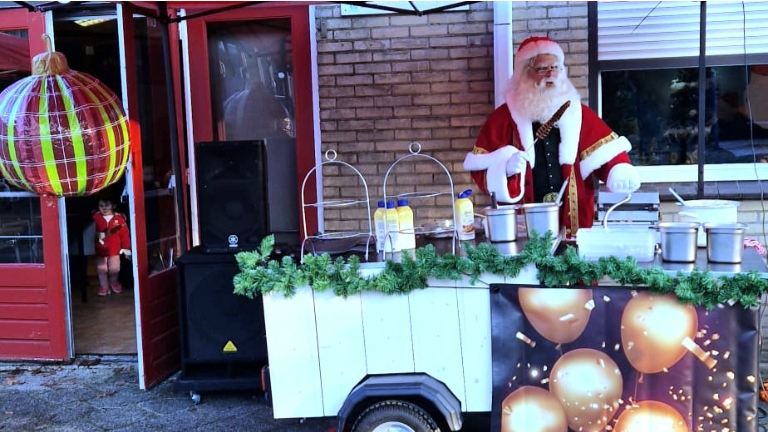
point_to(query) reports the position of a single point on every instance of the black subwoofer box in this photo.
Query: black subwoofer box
(223, 338)
(232, 195)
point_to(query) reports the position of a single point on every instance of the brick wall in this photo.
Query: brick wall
(386, 81)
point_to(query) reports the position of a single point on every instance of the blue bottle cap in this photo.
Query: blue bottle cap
(390, 204)
(466, 194)
(402, 202)
(380, 204)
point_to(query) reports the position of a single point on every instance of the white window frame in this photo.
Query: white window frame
(724, 20)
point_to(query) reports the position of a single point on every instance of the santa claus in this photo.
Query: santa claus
(545, 136)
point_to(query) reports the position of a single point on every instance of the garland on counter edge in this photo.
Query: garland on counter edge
(260, 274)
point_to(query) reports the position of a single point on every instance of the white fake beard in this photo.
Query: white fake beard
(539, 102)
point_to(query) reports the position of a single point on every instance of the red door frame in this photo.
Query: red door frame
(200, 98)
(32, 296)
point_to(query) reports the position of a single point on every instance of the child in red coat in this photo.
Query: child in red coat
(112, 239)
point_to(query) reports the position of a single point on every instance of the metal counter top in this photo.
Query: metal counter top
(751, 260)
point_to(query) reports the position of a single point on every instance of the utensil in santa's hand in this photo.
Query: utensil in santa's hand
(559, 199)
(677, 197)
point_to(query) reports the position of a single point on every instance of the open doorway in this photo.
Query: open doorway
(102, 324)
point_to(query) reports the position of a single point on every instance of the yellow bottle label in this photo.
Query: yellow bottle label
(465, 212)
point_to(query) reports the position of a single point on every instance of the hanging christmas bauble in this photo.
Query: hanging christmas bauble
(62, 132)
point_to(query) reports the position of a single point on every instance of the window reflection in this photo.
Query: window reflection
(159, 201)
(252, 79)
(658, 111)
(21, 233)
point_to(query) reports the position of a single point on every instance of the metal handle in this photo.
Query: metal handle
(613, 207)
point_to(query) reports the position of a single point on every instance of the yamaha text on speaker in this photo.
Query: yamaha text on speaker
(232, 195)
(223, 338)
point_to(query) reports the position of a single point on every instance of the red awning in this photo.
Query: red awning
(15, 53)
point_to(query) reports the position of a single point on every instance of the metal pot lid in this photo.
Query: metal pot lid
(502, 210)
(678, 226)
(730, 227)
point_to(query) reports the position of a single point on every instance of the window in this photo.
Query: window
(21, 235)
(648, 66)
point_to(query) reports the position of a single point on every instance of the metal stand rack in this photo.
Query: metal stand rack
(414, 148)
(340, 236)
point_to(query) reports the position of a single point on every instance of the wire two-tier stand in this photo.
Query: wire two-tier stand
(346, 237)
(414, 150)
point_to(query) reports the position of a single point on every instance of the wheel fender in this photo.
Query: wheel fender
(398, 385)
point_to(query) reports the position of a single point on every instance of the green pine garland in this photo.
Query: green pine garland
(260, 275)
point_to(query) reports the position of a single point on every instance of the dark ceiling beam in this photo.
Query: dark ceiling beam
(25, 5)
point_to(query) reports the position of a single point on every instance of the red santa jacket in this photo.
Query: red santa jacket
(116, 231)
(598, 150)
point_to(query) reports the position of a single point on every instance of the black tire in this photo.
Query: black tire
(399, 412)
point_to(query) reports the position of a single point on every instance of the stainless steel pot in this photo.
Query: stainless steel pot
(725, 242)
(501, 223)
(678, 241)
(542, 217)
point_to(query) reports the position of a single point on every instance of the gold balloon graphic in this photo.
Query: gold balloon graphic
(532, 409)
(650, 416)
(588, 384)
(558, 314)
(655, 330)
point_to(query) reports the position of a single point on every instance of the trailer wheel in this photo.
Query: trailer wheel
(394, 416)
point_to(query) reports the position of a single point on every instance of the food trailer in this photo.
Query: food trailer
(501, 347)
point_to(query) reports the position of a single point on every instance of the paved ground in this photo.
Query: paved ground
(106, 397)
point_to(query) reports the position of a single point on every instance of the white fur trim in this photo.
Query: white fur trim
(478, 162)
(525, 131)
(496, 181)
(530, 50)
(604, 154)
(570, 132)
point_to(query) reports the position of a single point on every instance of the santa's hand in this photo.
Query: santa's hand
(623, 178)
(126, 252)
(516, 163)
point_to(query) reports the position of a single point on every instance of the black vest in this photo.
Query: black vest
(547, 174)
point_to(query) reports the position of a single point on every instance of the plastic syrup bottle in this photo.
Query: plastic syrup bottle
(465, 212)
(392, 234)
(379, 225)
(405, 221)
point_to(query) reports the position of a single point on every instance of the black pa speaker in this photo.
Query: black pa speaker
(232, 195)
(217, 326)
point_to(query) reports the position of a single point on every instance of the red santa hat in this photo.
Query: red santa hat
(537, 45)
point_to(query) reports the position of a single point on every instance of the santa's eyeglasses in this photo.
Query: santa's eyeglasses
(545, 69)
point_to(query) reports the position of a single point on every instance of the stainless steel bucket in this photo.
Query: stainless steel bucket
(542, 217)
(678, 241)
(725, 242)
(501, 223)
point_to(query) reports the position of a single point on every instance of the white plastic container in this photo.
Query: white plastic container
(392, 231)
(379, 225)
(706, 211)
(465, 213)
(405, 222)
(638, 242)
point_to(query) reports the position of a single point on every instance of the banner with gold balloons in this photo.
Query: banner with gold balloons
(610, 358)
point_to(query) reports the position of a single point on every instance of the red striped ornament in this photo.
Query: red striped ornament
(62, 132)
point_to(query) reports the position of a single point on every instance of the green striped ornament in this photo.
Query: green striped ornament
(62, 132)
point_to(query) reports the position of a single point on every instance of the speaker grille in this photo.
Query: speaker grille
(232, 195)
(213, 316)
